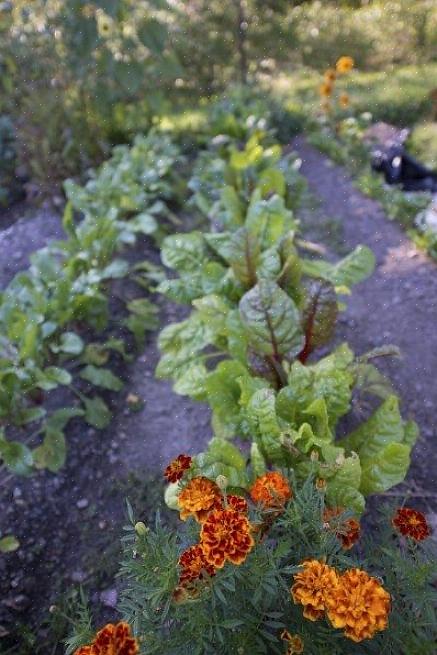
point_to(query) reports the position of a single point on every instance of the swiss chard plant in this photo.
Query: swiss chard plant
(260, 309)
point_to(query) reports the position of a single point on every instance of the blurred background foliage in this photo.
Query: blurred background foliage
(77, 77)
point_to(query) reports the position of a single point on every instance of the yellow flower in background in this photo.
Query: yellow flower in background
(313, 586)
(326, 89)
(330, 75)
(344, 100)
(359, 604)
(344, 65)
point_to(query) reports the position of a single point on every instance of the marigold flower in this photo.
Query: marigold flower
(313, 586)
(344, 65)
(237, 503)
(194, 565)
(330, 75)
(226, 535)
(295, 643)
(271, 490)
(326, 89)
(344, 100)
(360, 604)
(198, 498)
(176, 469)
(347, 531)
(411, 523)
(112, 640)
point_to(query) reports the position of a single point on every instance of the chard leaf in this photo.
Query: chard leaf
(52, 452)
(16, 456)
(223, 392)
(343, 488)
(383, 444)
(271, 320)
(319, 314)
(101, 377)
(244, 256)
(354, 268)
(192, 382)
(97, 413)
(262, 417)
(183, 252)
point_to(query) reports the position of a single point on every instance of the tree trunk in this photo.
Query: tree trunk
(241, 39)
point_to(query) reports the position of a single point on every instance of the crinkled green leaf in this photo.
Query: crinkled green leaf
(183, 252)
(272, 320)
(354, 268)
(244, 256)
(319, 314)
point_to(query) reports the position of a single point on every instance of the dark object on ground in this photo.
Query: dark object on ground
(401, 168)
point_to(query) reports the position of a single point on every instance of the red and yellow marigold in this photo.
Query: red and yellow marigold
(194, 565)
(347, 531)
(176, 469)
(344, 65)
(411, 523)
(199, 498)
(295, 643)
(226, 536)
(359, 605)
(237, 503)
(271, 490)
(112, 640)
(313, 586)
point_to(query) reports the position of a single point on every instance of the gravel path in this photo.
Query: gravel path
(398, 304)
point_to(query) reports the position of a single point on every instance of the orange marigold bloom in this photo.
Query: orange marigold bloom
(238, 503)
(295, 643)
(359, 604)
(347, 531)
(313, 586)
(271, 490)
(112, 640)
(226, 535)
(330, 75)
(344, 65)
(344, 100)
(326, 89)
(198, 498)
(194, 565)
(176, 469)
(411, 523)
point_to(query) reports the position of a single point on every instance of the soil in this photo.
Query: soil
(69, 524)
(396, 305)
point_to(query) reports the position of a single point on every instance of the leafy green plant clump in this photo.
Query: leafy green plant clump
(45, 311)
(260, 309)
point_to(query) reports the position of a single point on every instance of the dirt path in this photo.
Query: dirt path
(398, 305)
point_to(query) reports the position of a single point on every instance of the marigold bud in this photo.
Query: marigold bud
(141, 529)
(222, 482)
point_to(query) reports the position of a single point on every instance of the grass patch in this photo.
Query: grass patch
(399, 95)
